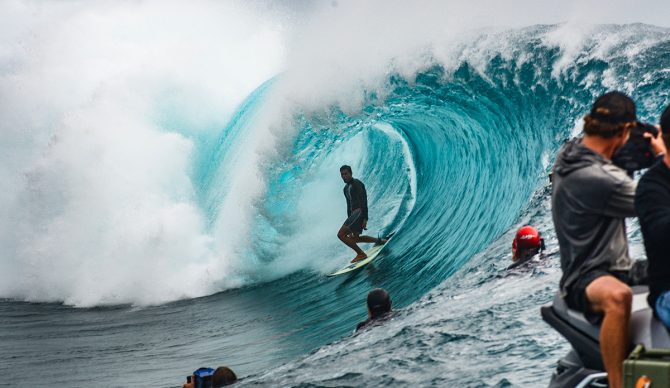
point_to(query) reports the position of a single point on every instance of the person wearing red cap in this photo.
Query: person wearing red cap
(526, 244)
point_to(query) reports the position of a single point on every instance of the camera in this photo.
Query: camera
(636, 154)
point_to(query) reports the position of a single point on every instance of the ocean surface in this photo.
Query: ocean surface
(142, 238)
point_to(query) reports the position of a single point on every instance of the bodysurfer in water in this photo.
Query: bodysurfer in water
(357, 213)
(527, 243)
(379, 308)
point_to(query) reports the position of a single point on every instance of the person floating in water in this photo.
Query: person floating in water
(526, 244)
(379, 308)
(357, 215)
(207, 377)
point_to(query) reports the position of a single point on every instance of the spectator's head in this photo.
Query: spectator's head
(379, 303)
(665, 126)
(527, 242)
(223, 376)
(613, 115)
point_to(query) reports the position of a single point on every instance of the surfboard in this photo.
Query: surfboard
(372, 254)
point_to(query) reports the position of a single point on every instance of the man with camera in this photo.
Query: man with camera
(590, 199)
(652, 203)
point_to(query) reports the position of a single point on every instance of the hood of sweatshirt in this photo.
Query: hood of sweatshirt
(575, 156)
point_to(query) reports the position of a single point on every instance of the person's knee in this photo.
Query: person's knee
(619, 301)
(342, 234)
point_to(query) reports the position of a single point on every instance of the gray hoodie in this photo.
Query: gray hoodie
(590, 199)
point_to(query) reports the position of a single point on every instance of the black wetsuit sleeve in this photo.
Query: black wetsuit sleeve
(361, 197)
(348, 200)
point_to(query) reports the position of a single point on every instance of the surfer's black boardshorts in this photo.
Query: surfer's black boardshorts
(355, 222)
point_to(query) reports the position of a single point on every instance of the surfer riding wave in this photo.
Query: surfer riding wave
(357, 215)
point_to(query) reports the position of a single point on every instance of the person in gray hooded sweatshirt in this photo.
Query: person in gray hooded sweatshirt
(590, 199)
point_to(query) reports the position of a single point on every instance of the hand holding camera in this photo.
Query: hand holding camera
(641, 149)
(656, 142)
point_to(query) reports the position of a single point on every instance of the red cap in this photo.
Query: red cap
(527, 237)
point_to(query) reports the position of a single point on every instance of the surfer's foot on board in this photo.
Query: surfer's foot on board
(359, 257)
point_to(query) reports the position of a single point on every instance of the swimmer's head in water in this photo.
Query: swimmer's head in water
(223, 376)
(527, 242)
(379, 302)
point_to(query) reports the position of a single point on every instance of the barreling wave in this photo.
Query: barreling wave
(450, 157)
(481, 137)
(453, 154)
(450, 154)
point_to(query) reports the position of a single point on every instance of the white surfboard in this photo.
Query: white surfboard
(372, 253)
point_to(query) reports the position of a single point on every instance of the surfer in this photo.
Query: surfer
(357, 215)
(527, 243)
(379, 307)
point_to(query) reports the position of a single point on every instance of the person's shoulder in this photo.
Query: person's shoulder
(658, 172)
(370, 322)
(362, 325)
(649, 177)
(604, 177)
(598, 177)
(656, 177)
(614, 174)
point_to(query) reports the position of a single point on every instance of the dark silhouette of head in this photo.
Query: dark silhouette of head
(379, 303)
(223, 376)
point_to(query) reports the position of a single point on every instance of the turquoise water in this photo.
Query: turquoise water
(454, 160)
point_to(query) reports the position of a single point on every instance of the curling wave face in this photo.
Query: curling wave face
(482, 139)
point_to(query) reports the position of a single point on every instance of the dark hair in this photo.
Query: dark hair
(609, 114)
(345, 167)
(665, 125)
(223, 376)
(379, 302)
